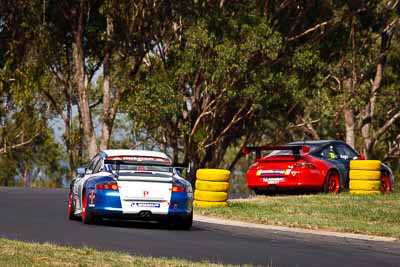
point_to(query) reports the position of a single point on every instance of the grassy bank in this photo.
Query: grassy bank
(15, 253)
(367, 214)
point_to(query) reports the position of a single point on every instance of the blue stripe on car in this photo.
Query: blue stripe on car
(106, 201)
(181, 203)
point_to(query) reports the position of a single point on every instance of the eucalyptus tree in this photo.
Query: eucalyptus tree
(352, 47)
(27, 145)
(100, 36)
(210, 88)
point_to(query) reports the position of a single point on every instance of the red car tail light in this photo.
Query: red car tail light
(107, 186)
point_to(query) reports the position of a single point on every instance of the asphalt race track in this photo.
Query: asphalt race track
(39, 215)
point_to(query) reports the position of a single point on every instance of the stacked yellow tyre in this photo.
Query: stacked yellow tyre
(211, 189)
(365, 177)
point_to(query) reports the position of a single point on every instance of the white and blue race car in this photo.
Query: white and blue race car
(131, 184)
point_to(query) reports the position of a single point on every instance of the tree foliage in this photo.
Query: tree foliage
(197, 79)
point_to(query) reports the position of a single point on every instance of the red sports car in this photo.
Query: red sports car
(312, 165)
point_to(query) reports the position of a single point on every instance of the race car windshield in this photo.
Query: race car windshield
(144, 174)
(140, 168)
(281, 152)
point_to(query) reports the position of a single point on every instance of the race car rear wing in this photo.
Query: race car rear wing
(295, 149)
(155, 164)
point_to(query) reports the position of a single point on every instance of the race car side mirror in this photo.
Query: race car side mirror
(361, 156)
(305, 149)
(81, 171)
(245, 150)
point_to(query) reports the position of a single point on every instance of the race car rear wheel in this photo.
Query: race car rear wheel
(87, 216)
(71, 207)
(182, 223)
(332, 183)
(186, 222)
(386, 183)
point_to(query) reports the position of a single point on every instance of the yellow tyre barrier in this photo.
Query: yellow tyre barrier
(364, 192)
(365, 185)
(366, 165)
(210, 196)
(212, 186)
(216, 175)
(209, 204)
(364, 175)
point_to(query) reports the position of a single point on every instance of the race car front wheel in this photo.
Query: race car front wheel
(386, 183)
(332, 183)
(71, 207)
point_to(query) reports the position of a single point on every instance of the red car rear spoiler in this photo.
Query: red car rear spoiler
(295, 149)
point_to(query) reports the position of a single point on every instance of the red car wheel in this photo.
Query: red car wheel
(386, 183)
(71, 207)
(332, 183)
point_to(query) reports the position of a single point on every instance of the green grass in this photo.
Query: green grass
(367, 214)
(16, 253)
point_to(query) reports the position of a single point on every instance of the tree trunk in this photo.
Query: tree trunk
(26, 177)
(106, 124)
(108, 117)
(68, 141)
(349, 124)
(366, 131)
(81, 83)
(349, 86)
(349, 116)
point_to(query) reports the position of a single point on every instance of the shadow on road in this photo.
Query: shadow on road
(141, 225)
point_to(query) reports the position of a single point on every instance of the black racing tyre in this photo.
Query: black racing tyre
(182, 223)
